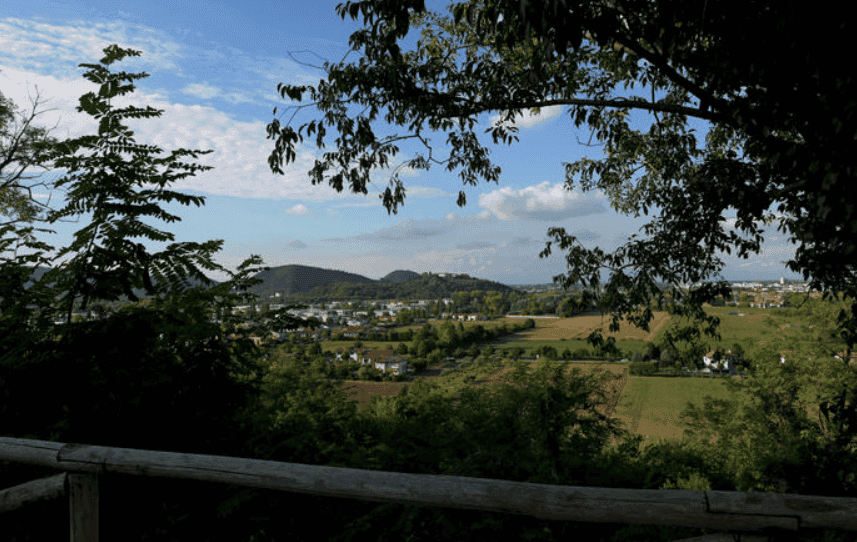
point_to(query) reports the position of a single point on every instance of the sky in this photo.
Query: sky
(214, 67)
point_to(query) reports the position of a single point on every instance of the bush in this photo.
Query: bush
(651, 352)
(581, 353)
(643, 369)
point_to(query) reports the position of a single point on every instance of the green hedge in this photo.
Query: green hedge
(645, 368)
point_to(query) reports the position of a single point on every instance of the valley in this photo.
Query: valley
(649, 406)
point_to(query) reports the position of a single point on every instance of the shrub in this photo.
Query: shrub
(643, 369)
(581, 353)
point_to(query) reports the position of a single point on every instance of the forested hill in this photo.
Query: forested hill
(422, 287)
(288, 280)
(400, 276)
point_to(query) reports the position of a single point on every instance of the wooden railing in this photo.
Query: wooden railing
(765, 514)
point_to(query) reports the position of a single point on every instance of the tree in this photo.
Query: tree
(738, 352)
(473, 350)
(20, 144)
(314, 349)
(435, 357)
(652, 351)
(448, 334)
(106, 263)
(765, 144)
(156, 375)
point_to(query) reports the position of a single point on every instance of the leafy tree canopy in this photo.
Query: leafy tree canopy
(778, 103)
(19, 155)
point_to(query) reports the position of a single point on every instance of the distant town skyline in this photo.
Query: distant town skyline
(214, 68)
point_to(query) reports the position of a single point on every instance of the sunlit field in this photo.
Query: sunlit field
(579, 327)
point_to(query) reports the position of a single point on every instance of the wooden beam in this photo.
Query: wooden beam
(761, 513)
(45, 488)
(83, 507)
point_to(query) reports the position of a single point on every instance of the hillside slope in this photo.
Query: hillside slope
(289, 280)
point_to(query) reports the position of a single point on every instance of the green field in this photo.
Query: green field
(332, 346)
(650, 406)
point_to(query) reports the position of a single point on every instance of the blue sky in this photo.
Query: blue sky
(214, 67)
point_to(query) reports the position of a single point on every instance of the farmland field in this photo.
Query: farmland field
(333, 346)
(648, 406)
(362, 391)
(579, 327)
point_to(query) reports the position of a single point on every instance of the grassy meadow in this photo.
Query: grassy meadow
(648, 406)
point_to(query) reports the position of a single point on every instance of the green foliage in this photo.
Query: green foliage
(681, 63)
(652, 351)
(106, 264)
(20, 144)
(643, 369)
(582, 353)
(158, 375)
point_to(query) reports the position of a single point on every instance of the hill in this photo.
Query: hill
(400, 276)
(426, 286)
(289, 280)
(306, 282)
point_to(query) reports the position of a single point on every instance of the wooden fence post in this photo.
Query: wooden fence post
(83, 506)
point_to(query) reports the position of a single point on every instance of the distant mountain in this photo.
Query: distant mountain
(315, 283)
(299, 279)
(400, 276)
(308, 282)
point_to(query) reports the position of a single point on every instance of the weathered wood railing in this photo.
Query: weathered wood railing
(761, 513)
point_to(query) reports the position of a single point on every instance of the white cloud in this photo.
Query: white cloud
(528, 117)
(424, 192)
(541, 202)
(776, 218)
(36, 55)
(240, 157)
(201, 91)
(32, 45)
(299, 209)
